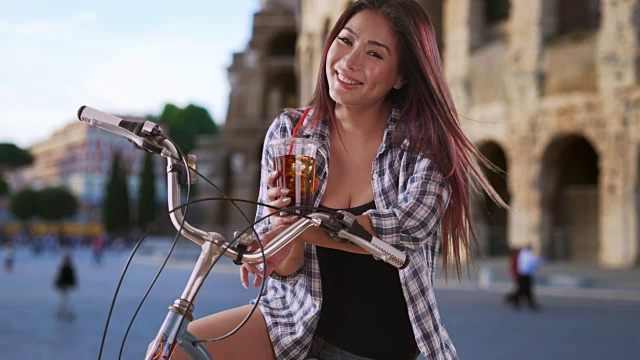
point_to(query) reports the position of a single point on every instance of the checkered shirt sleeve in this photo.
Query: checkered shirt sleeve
(409, 193)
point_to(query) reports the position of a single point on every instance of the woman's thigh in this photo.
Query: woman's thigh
(250, 342)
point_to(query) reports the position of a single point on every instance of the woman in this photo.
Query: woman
(65, 282)
(393, 153)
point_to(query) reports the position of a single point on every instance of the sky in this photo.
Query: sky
(122, 57)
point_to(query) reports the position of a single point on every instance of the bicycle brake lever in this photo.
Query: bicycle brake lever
(332, 226)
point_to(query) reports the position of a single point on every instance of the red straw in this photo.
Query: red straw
(295, 130)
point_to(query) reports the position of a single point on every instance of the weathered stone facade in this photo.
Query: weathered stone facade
(548, 91)
(263, 82)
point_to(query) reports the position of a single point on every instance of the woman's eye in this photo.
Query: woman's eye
(375, 54)
(344, 40)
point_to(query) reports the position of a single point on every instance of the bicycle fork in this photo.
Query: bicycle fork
(173, 332)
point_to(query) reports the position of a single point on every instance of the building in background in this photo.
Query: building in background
(547, 90)
(79, 157)
(263, 82)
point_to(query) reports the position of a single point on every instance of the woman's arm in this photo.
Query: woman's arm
(319, 237)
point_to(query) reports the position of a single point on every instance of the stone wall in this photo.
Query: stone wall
(550, 97)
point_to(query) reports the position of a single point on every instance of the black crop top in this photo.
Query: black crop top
(363, 309)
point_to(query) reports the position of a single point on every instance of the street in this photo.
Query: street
(481, 326)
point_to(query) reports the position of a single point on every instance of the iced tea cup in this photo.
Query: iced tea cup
(295, 161)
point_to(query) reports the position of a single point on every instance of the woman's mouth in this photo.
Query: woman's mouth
(347, 80)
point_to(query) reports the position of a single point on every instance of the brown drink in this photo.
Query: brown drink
(295, 161)
(297, 173)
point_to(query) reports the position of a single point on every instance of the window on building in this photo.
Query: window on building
(577, 15)
(488, 20)
(283, 44)
(496, 11)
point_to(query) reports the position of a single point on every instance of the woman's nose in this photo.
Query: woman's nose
(353, 60)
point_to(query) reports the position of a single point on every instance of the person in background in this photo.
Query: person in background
(65, 282)
(512, 297)
(394, 154)
(9, 257)
(528, 263)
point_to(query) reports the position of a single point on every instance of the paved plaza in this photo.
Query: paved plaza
(570, 326)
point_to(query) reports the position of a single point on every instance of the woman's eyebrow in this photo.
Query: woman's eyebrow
(372, 42)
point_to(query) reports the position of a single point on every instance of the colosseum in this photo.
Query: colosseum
(546, 89)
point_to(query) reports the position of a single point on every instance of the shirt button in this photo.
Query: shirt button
(375, 176)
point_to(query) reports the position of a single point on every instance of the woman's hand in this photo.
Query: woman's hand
(277, 196)
(272, 262)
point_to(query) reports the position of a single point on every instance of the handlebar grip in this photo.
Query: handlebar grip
(392, 255)
(396, 257)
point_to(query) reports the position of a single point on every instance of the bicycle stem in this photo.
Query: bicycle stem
(221, 245)
(214, 244)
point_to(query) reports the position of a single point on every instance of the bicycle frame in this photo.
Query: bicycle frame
(173, 333)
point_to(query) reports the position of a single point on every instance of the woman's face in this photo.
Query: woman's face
(362, 62)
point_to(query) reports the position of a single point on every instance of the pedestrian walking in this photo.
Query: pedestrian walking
(65, 282)
(97, 248)
(527, 263)
(9, 258)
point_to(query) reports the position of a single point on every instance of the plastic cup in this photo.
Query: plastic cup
(295, 161)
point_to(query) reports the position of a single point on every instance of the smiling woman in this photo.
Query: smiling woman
(392, 154)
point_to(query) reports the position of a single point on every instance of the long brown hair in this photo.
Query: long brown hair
(428, 117)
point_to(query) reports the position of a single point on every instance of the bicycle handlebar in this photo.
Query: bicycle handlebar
(148, 136)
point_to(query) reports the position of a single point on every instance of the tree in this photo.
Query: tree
(115, 214)
(185, 124)
(12, 156)
(57, 204)
(23, 204)
(4, 188)
(147, 193)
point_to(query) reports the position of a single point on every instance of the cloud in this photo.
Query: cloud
(43, 29)
(147, 71)
(84, 17)
(49, 29)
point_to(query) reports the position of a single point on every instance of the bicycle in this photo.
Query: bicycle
(173, 333)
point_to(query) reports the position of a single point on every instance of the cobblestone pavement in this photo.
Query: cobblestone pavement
(569, 327)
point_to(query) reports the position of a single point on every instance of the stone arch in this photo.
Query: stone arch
(490, 219)
(570, 200)
(281, 92)
(282, 84)
(487, 21)
(637, 203)
(282, 44)
(576, 15)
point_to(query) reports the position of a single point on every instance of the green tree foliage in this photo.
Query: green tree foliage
(115, 213)
(24, 204)
(56, 203)
(147, 193)
(4, 188)
(185, 124)
(12, 156)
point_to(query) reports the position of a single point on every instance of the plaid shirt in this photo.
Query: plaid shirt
(407, 190)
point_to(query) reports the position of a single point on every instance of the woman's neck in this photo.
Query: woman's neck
(361, 121)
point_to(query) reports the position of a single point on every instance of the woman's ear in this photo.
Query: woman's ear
(399, 83)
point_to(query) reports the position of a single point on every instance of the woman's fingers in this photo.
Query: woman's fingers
(277, 192)
(271, 178)
(255, 270)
